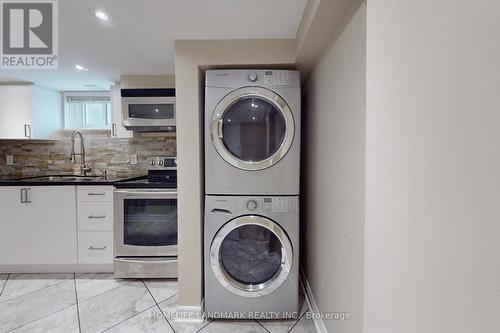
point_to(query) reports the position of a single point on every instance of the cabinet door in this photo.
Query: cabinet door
(14, 227)
(15, 112)
(117, 129)
(53, 238)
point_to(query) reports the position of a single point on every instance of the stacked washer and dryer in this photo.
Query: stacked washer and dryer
(252, 176)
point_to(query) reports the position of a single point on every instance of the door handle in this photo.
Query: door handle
(96, 193)
(220, 122)
(23, 200)
(28, 195)
(97, 217)
(27, 131)
(92, 248)
(113, 130)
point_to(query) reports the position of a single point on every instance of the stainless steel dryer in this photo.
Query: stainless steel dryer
(251, 256)
(252, 132)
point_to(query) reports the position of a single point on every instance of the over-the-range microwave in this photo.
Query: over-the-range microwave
(148, 110)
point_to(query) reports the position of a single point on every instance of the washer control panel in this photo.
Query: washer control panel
(267, 205)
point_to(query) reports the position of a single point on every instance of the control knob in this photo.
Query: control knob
(252, 77)
(252, 205)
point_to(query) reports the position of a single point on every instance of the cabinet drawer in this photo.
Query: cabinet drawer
(95, 193)
(95, 247)
(93, 216)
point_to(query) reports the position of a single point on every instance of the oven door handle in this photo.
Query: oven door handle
(153, 195)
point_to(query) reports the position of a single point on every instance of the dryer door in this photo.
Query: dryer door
(252, 128)
(251, 256)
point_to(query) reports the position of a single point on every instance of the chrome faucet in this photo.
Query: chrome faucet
(83, 167)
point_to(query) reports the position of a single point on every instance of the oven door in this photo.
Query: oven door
(145, 222)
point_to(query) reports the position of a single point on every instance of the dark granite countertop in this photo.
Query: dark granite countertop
(53, 180)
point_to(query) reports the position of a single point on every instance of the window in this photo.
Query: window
(87, 109)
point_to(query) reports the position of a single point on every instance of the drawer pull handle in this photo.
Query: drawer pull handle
(92, 248)
(97, 217)
(96, 193)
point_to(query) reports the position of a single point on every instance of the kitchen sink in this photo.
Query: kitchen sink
(62, 178)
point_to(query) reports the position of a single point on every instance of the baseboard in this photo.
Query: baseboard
(189, 314)
(313, 307)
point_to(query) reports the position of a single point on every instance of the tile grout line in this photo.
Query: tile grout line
(300, 318)
(3, 287)
(77, 307)
(258, 322)
(34, 321)
(34, 291)
(121, 322)
(107, 291)
(158, 305)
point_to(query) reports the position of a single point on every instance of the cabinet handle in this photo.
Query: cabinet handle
(28, 195)
(97, 217)
(113, 130)
(94, 193)
(27, 131)
(23, 200)
(92, 248)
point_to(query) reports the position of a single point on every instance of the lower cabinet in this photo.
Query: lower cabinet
(14, 227)
(95, 247)
(52, 225)
(37, 225)
(95, 224)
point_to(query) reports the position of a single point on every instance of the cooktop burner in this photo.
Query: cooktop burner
(162, 173)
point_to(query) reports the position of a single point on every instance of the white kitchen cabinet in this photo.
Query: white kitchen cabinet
(16, 112)
(95, 247)
(117, 129)
(52, 225)
(95, 224)
(14, 227)
(38, 225)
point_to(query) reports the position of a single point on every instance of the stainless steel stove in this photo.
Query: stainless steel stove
(145, 223)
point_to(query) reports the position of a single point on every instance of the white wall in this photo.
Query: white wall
(433, 167)
(333, 177)
(190, 57)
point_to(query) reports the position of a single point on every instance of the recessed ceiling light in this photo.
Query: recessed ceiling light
(101, 15)
(81, 68)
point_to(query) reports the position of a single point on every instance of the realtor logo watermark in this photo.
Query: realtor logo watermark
(28, 34)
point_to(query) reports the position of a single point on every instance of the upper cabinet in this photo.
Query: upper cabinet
(16, 112)
(117, 129)
(29, 112)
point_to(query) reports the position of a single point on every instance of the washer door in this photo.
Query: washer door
(252, 128)
(251, 256)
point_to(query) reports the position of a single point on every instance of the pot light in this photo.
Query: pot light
(81, 68)
(101, 15)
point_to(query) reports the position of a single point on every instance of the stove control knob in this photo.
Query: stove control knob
(252, 77)
(252, 205)
(153, 162)
(160, 162)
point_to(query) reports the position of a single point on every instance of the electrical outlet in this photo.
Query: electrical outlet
(10, 160)
(133, 159)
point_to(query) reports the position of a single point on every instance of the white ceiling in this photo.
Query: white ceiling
(141, 40)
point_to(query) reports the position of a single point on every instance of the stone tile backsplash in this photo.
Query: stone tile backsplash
(32, 158)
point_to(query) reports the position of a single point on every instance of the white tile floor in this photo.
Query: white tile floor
(92, 303)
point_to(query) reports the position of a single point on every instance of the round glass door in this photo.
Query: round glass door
(252, 128)
(251, 256)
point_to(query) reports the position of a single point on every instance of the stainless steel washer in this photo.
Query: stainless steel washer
(251, 256)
